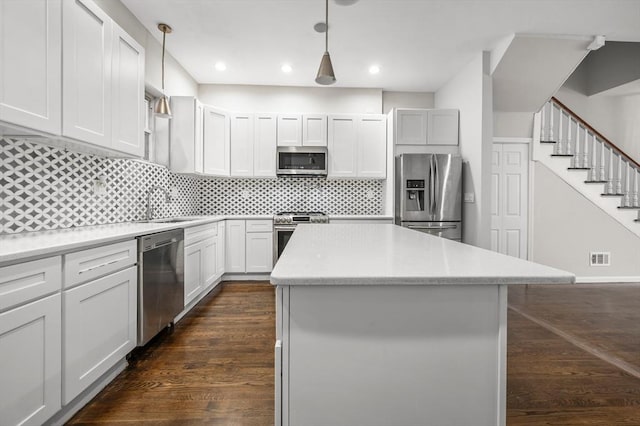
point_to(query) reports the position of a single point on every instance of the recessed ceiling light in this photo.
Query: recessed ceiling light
(286, 68)
(221, 66)
(374, 69)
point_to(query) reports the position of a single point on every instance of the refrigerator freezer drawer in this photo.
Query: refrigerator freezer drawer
(450, 230)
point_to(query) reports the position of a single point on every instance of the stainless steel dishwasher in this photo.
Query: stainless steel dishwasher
(160, 281)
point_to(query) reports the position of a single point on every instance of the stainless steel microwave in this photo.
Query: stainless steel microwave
(301, 161)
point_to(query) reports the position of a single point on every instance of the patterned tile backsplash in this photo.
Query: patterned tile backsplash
(43, 187)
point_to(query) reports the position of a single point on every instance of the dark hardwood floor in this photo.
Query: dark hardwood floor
(572, 358)
(215, 368)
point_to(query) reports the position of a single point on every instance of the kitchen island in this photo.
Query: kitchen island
(381, 325)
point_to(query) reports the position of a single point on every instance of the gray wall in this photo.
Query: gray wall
(470, 91)
(253, 98)
(567, 227)
(612, 65)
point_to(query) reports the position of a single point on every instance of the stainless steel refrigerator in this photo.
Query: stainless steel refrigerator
(429, 194)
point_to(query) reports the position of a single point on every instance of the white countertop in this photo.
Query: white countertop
(360, 217)
(22, 246)
(378, 254)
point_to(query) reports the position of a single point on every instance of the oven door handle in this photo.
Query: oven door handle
(277, 228)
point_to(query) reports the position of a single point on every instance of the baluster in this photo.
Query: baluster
(585, 153)
(610, 186)
(551, 122)
(558, 148)
(636, 201)
(603, 173)
(543, 122)
(619, 175)
(567, 147)
(577, 152)
(626, 201)
(593, 174)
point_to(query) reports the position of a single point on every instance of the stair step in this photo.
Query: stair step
(629, 207)
(612, 195)
(562, 155)
(578, 168)
(596, 181)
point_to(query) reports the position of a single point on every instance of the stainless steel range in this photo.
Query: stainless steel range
(284, 223)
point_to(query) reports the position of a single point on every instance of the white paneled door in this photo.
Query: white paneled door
(509, 198)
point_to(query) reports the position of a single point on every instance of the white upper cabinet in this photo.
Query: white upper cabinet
(216, 142)
(186, 144)
(102, 80)
(442, 127)
(242, 135)
(86, 61)
(342, 142)
(264, 145)
(357, 146)
(289, 130)
(411, 126)
(128, 112)
(372, 147)
(414, 126)
(30, 64)
(314, 130)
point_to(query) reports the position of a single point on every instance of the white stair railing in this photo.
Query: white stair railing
(590, 151)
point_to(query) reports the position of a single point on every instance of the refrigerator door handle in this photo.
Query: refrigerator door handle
(432, 185)
(436, 185)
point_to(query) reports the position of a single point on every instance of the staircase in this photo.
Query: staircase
(589, 162)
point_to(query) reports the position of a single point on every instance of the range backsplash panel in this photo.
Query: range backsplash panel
(229, 196)
(43, 187)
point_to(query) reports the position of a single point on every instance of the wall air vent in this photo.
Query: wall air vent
(600, 258)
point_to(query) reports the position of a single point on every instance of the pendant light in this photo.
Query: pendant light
(162, 106)
(326, 75)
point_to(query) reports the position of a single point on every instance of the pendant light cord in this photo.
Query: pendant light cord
(164, 36)
(326, 33)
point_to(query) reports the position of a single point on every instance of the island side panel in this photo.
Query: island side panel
(502, 355)
(401, 355)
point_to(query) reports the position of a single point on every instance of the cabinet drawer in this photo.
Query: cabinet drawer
(199, 233)
(86, 265)
(259, 225)
(30, 280)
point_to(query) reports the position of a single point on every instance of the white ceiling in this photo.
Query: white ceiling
(418, 44)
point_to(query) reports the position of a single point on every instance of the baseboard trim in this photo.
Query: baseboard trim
(246, 277)
(69, 410)
(598, 280)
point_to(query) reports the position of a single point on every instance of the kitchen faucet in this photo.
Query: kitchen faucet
(150, 209)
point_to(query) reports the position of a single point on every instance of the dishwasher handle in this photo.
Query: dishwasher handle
(161, 239)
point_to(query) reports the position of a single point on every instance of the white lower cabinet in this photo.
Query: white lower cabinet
(249, 246)
(209, 255)
(192, 272)
(200, 260)
(259, 256)
(235, 246)
(30, 371)
(100, 320)
(220, 249)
